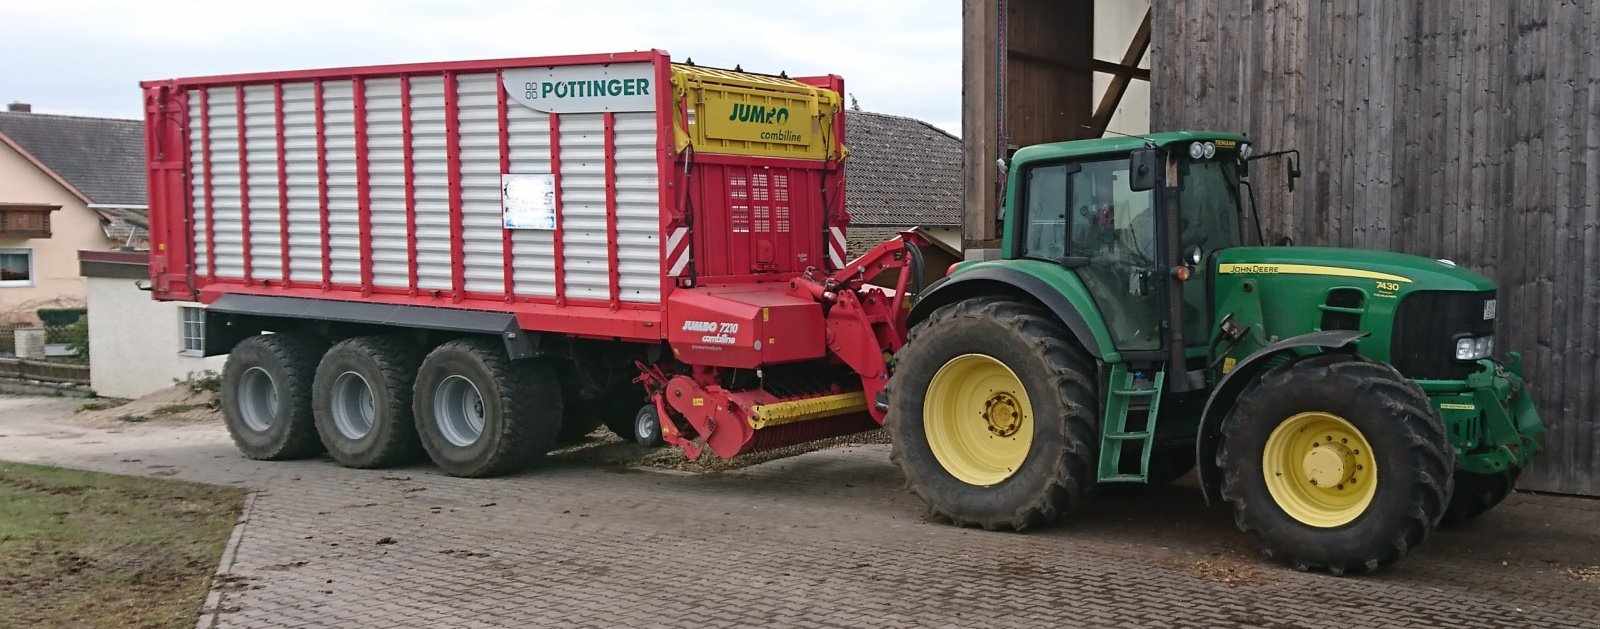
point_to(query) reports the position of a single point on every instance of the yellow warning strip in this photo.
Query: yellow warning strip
(779, 413)
(1305, 269)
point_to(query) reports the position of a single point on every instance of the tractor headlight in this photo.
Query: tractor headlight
(1474, 348)
(1210, 150)
(1197, 150)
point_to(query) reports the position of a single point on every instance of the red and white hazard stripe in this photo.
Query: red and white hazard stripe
(678, 252)
(836, 247)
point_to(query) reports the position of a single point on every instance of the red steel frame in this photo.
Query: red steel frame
(322, 184)
(244, 183)
(283, 179)
(205, 152)
(358, 94)
(610, 133)
(610, 318)
(557, 238)
(410, 185)
(502, 115)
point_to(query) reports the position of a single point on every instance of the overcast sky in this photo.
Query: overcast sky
(87, 58)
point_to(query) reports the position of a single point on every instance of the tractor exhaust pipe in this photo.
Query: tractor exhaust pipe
(1179, 378)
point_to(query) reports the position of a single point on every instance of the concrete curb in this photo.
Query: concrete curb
(211, 610)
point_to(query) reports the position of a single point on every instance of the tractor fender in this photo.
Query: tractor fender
(1228, 390)
(1003, 281)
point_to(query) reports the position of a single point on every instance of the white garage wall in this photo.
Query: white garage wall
(134, 341)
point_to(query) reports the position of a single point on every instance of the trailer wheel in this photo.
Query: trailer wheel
(362, 401)
(647, 427)
(1334, 462)
(992, 415)
(481, 414)
(1476, 494)
(266, 396)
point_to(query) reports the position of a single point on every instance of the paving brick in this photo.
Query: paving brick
(828, 539)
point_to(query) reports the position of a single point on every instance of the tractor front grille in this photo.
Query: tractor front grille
(1426, 327)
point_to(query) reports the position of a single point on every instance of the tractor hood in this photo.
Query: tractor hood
(1409, 271)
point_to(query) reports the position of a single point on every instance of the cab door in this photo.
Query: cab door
(1085, 216)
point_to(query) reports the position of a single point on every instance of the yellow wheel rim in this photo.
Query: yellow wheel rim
(978, 419)
(1320, 469)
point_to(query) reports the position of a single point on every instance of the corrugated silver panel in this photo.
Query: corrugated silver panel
(225, 208)
(197, 187)
(431, 182)
(532, 250)
(586, 252)
(300, 157)
(638, 208)
(386, 184)
(261, 157)
(344, 219)
(481, 233)
(583, 207)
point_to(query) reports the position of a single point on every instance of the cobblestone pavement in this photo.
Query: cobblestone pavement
(827, 539)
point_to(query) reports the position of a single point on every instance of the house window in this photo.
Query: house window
(25, 221)
(194, 330)
(16, 267)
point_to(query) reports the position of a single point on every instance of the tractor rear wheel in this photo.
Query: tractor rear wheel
(1476, 494)
(992, 414)
(1337, 463)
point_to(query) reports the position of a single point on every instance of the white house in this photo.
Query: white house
(136, 344)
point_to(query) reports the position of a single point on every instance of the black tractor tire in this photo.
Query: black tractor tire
(266, 396)
(516, 404)
(1057, 475)
(1408, 446)
(384, 434)
(1476, 494)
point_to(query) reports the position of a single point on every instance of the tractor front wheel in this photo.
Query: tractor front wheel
(992, 415)
(1337, 463)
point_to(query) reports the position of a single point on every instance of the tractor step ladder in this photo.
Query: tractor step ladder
(1121, 394)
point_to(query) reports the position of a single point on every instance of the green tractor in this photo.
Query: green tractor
(1344, 402)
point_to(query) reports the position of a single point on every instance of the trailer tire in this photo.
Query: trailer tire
(647, 426)
(1335, 420)
(266, 396)
(1049, 378)
(361, 399)
(1476, 494)
(481, 414)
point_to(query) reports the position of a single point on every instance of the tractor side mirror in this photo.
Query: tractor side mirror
(1291, 171)
(1142, 167)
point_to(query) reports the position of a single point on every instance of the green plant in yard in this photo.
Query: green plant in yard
(76, 337)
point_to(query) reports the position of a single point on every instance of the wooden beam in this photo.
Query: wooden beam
(1094, 65)
(1119, 81)
(980, 122)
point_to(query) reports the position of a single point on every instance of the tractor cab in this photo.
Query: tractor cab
(1097, 207)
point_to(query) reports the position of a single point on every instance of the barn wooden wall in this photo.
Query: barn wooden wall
(1464, 130)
